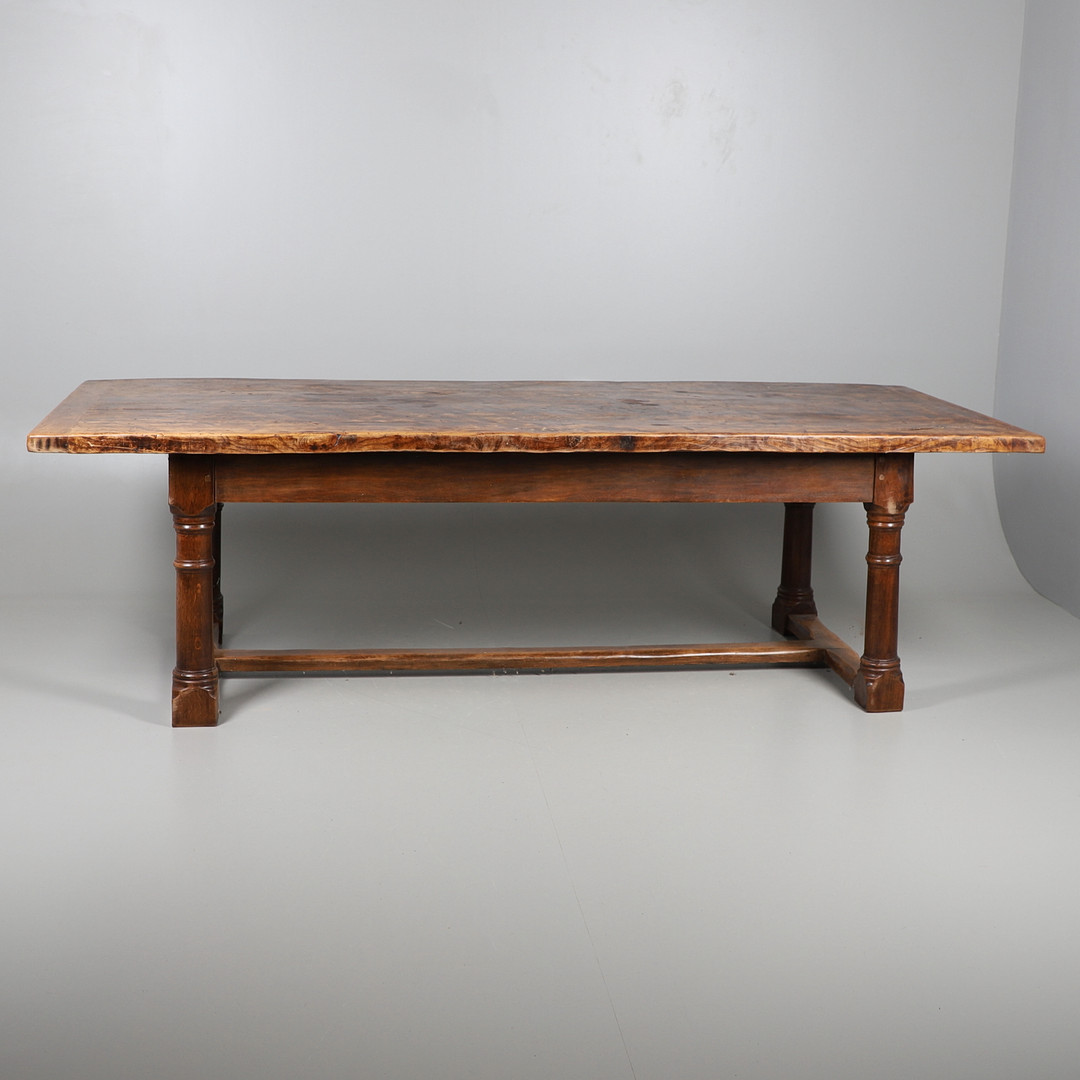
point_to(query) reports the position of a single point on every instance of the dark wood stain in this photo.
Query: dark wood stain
(601, 476)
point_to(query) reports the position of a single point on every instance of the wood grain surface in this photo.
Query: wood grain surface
(291, 416)
(412, 476)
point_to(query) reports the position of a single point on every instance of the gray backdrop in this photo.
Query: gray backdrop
(1038, 375)
(610, 189)
(597, 876)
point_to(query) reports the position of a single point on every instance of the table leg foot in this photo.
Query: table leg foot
(194, 699)
(878, 687)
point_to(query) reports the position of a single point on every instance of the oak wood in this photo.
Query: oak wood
(416, 476)
(194, 509)
(879, 683)
(803, 653)
(795, 596)
(287, 416)
(219, 602)
(244, 440)
(837, 654)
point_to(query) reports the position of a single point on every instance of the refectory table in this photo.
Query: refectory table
(294, 440)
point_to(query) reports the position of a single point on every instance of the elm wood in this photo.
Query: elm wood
(194, 508)
(417, 476)
(807, 653)
(879, 683)
(795, 596)
(289, 416)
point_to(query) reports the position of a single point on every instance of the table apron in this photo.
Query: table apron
(416, 476)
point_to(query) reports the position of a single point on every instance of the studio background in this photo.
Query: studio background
(469, 190)
(643, 189)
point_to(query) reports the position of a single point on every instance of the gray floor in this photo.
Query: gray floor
(667, 875)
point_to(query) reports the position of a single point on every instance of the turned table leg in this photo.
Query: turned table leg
(795, 596)
(879, 684)
(194, 510)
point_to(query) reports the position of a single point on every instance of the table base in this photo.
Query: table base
(200, 484)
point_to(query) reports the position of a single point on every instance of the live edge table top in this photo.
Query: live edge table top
(315, 416)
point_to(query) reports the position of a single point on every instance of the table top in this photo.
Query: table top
(294, 416)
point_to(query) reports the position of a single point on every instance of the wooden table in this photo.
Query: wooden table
(288, 440)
